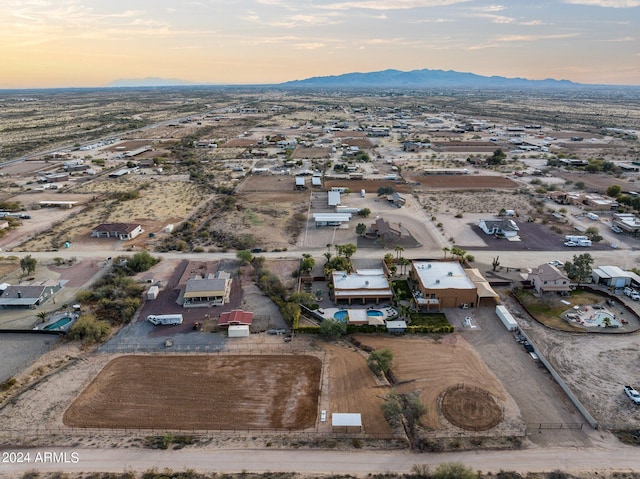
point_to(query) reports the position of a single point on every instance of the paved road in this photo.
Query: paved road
(620, 458)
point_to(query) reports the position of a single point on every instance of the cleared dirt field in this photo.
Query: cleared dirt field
(431, 366)
(229, 392)
(368, 185)
(466, 182)
(353, 388)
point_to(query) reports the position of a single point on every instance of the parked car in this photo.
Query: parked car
(633, 394)
(570, 243)
(616, 229)
(611, 302)
(556, 263)
(632, 293)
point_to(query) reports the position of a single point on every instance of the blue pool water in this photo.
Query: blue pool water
(58, 324)
(374, 312)
(341, 316)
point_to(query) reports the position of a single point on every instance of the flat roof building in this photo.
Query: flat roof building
(442, 284)
(363, 285)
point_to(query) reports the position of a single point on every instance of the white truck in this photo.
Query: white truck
(633, 394)
(506, 318)
(584, 242)
(165, 319)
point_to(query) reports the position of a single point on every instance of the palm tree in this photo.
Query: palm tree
(445, 250)
(42, 315)
(398, 250)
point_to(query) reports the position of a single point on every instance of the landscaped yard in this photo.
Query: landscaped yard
(432, 320)
(547, 309)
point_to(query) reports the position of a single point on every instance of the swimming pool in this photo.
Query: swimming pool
(374, 312)
(58, 324)
(341, 315)
(599, 319)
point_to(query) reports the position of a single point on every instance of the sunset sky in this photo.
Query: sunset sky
(88, 43)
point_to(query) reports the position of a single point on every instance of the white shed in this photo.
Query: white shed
(346, 420)
(238, 331)
(152, 293)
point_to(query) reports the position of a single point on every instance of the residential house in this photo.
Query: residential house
(383, 230)
(549, 279)
(442, 284)
(214, 290)
(28, 295)
(503, 227)
(369, 285)
(122, 231)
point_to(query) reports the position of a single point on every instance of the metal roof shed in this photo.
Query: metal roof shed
(346, 420)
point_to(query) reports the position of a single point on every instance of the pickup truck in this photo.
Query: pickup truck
(633, 394)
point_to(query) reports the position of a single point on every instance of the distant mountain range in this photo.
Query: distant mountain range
(415, 79)
(423, 79)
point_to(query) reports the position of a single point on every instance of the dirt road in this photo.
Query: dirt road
(574, 460)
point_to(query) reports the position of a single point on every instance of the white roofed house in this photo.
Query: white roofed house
(504, 227)
(122, 231)
(442, 284)
(549, 279)
(363, 285)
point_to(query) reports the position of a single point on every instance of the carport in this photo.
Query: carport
(486, 295)
(346, 420)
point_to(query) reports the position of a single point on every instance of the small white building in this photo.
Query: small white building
(238, 331)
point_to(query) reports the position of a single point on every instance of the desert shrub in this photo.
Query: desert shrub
(90, 330)
(453, 470)
(8, 384)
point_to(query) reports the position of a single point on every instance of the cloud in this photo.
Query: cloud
(433, 20)
(534, 38)
(606, 3)
(389, 4)
(490, 8)
(309, 46)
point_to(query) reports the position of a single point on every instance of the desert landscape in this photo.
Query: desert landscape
(231, 189)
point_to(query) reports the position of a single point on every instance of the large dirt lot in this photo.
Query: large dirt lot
(431, 366)
(255, 392)
(161, 201)
(230, 392)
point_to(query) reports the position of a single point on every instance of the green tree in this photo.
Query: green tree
(346, 250)
(392, 409)
(614, 191)
(361, 229)
(497, 158)
(593, 234)
(307, 263)
(364, 212)
(28, 264)
(244, 256)
(413, 409)
(380, 360)
(291, 313)
(454, 470)
(579, 269)
(141, 261)
(304, 298)
(331, 328)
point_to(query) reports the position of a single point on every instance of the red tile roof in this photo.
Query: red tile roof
(237, 316)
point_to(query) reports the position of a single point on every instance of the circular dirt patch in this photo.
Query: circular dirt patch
(471, 408)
